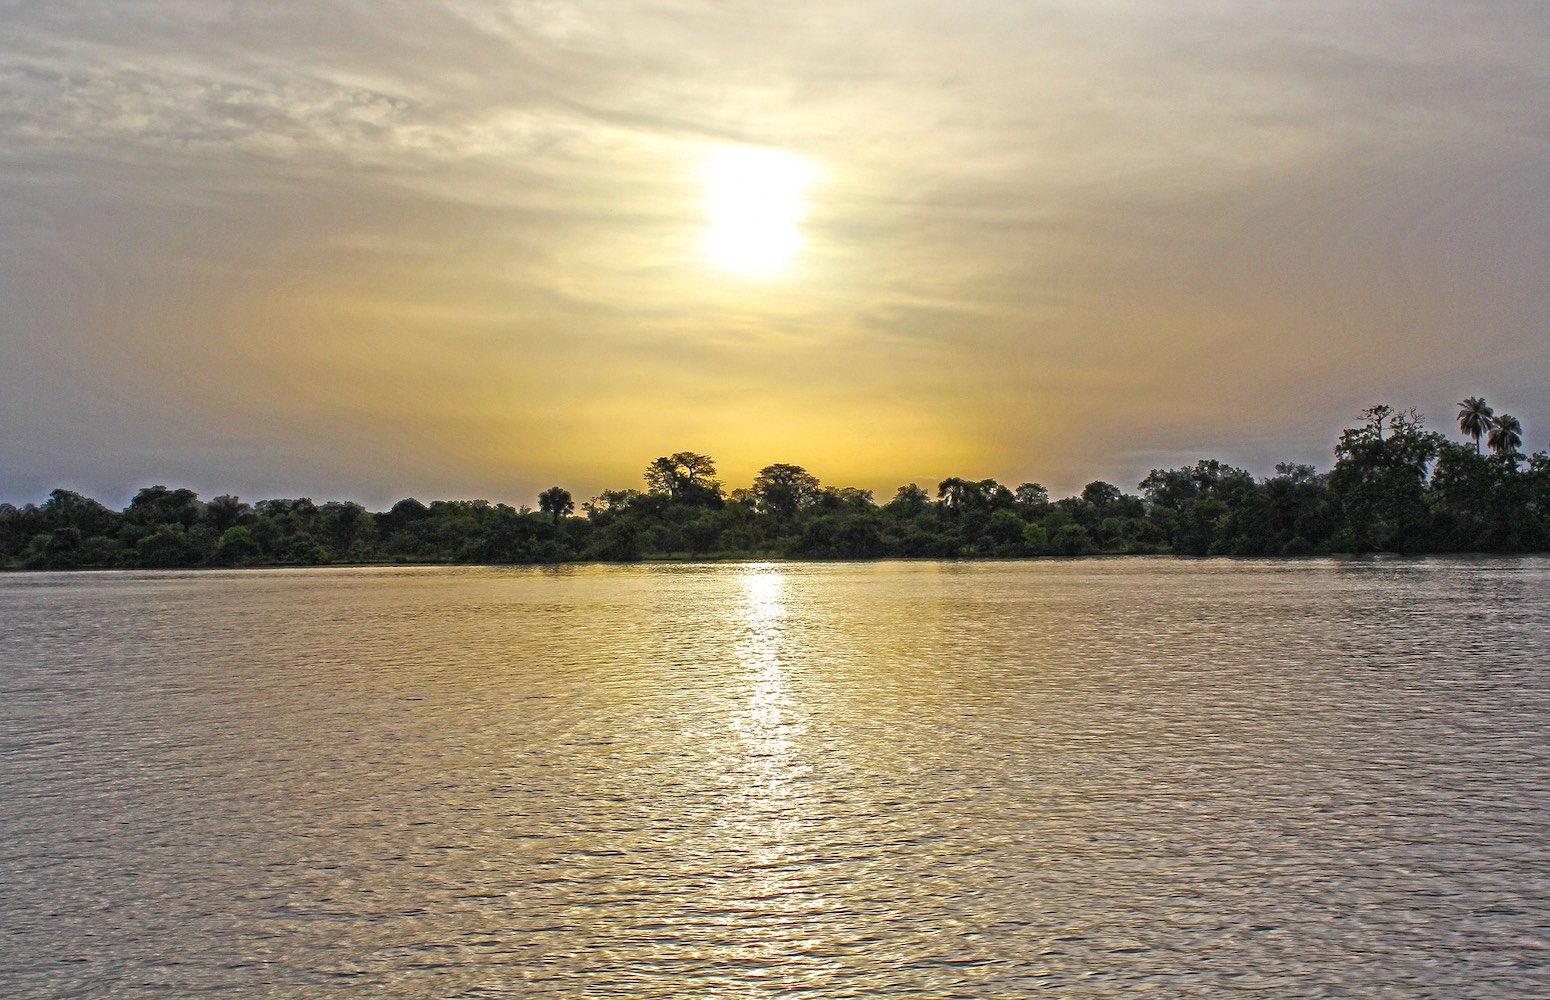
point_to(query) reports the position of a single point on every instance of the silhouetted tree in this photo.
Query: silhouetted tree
(1032, 496)
(1394, 486)
(68, 509)
(226, 511)
(782, 490)
(556, 502)
(157, 505)
(955, 494)
(686, 477)
(610, 502)
(1506, 437)
(1460, 494)
(1101, 495)
(1380, 481)
(909, 501)
(1475, 419)
(832, 499)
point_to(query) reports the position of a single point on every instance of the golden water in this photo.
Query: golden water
(1095, 778)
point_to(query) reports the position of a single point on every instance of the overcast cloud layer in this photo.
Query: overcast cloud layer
(451, 249)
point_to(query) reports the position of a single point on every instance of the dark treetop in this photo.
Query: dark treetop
(1395, 487)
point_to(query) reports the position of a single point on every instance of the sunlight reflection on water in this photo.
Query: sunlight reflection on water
(920, 779)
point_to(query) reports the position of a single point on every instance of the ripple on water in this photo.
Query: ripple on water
(1092, 777)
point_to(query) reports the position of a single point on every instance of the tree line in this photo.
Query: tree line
(1395, 487)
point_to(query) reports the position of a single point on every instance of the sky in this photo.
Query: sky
(456, 248)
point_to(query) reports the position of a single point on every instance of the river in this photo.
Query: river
(910, 779)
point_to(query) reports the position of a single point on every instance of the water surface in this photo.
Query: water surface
(1097, 778)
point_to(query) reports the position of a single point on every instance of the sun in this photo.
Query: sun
(754, 199)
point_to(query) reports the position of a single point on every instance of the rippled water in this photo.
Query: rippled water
(910, 779)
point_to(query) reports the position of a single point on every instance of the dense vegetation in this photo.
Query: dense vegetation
(1395, 487)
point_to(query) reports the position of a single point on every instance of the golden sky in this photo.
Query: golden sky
(457, 248)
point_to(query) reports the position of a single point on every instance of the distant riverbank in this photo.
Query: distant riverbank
(1395, 487)
(768, 559)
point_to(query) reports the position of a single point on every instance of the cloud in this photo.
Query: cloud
(350, 236)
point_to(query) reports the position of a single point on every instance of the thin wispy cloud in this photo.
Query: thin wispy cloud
(454, 248)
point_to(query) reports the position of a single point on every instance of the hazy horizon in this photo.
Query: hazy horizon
(454, 250)
(118, 498)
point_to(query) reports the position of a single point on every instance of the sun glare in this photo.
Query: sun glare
(754, 199)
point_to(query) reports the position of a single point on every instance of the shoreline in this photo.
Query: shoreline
(797, 560)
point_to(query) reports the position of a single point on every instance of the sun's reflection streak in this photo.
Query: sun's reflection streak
(767, 771)
(767, 725)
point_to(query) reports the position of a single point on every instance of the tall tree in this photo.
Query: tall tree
(910, 500)
(1475, 419)
(68, 509)
(955, 493)
(1033, 496)
(685, 476)
(1177, 488)
(157, 505)
(556, 502)
(1380, 481)
(1101, 495)
(1506, 437)
(783, 489)
(227, 511)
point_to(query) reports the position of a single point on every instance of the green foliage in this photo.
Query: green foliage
(155, 506)
(67, 509)
(556, 502)
(237, 547)
(685, 477)
(165, 548)
(1032, 497)
(227, 512)
(1506, 437)
(1476, 419)
(783, 490)
(1293, 514)
(1395, 487)
(619, 541)
(845, 535)
(1379, 480)
(910, 501)
(1070, 540)
(58, 549)
(954, 493)
(1101, 496)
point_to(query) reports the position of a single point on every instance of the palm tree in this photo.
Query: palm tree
(1506, 436)
(1475, 419)
(952, 492)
